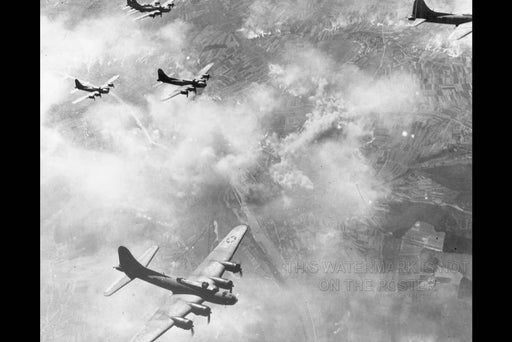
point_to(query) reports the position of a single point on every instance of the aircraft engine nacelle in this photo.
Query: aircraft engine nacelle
(206, 76)
(111, 85)
(184, 92)
(183, 323)
(232, 267)
(223, 283)
(200, 310)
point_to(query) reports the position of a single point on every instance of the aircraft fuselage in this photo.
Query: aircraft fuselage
(211, 294)
(195, 83)
(447, 18)
(99, 90)
(151, 8)
(105, 90)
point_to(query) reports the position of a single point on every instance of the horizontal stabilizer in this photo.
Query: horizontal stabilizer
(144, 260)
(418, 22)
(116, 286)
(461, 31)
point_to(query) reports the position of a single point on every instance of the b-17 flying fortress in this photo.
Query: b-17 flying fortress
(186, 86)
(95, 90)
(151, 10)
(188, 294)
(421, 14)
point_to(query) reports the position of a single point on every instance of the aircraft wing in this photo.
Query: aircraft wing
(177, 92)
(80, 99)
(160, 322)
(146, 15)
(112, 79)
(418, 22)
(204, 70)
(462, 31)
(210, 267)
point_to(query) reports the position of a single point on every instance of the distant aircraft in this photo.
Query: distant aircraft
(421, 13)
(199, 82)
(95, 90)
(153, 10)
(188, 294)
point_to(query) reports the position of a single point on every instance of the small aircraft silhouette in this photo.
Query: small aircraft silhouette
(150, 10)
(95, 90)
(186, 86)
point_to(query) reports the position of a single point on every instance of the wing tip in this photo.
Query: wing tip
(242, 228)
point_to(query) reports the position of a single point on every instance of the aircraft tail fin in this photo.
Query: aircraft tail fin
(130, 266)
(420, 10)
(78, 84)
(162, 76)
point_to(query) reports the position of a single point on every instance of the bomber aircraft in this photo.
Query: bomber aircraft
(421, 13)
(95, 90)
(186, 86)
(151, 10)
(188, 294)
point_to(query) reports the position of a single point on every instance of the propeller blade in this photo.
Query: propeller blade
(192, 330)
(241, 273)
(209, 315)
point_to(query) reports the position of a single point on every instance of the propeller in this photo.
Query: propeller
(192, 330)
(209, 315)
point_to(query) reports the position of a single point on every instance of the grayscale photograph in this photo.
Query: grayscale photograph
(256, 170)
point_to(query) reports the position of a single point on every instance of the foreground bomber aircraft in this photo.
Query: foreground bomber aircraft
(204, 284)
(186, 85)
(95, 90)
(153, 10)
(421, 13)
